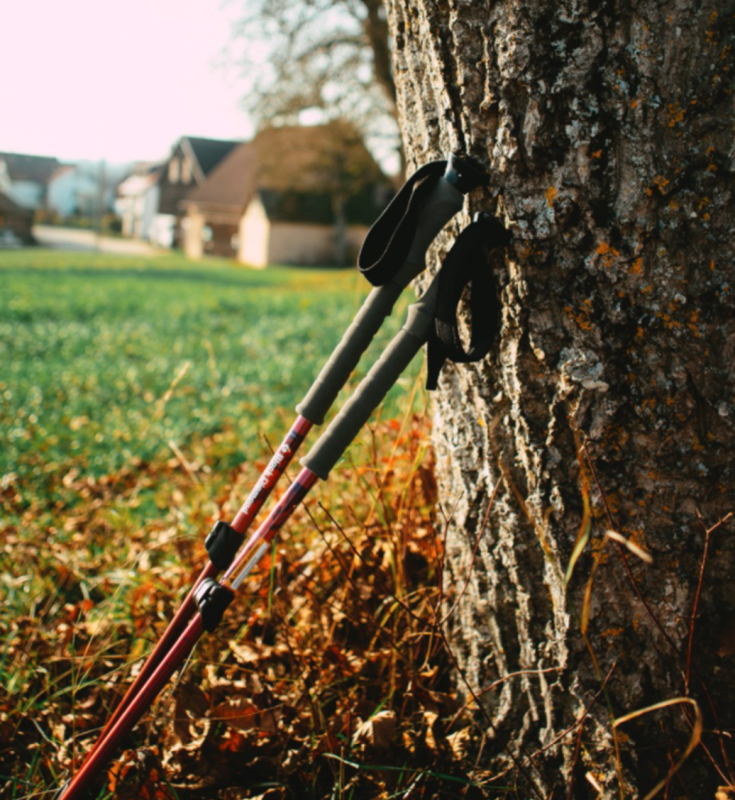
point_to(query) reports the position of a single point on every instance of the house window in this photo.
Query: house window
(173, 170)
(185, 172)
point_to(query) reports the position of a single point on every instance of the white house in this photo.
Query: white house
(44, 183)
(137, 206)
(72, 191)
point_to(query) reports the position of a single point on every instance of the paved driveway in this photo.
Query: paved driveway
(75, 239)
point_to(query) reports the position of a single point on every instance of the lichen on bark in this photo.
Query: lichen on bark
(608, 401)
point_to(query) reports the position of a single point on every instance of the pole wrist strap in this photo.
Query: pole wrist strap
(388, 241)
(466, 264)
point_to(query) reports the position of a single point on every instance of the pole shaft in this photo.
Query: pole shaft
(257, 497)
(138, 706)
(276, 467)
(243, 563)
(172, 660)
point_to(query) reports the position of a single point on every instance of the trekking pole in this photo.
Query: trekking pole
(431, 319)
(393, 254)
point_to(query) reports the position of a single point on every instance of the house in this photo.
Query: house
(16, 222)
(148, 200)
(137, 205)
(293, 195)
(43, 183)
(25, 178)
(190, 163)
(73, 191)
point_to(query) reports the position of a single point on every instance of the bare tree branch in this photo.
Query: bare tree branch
(331, 57)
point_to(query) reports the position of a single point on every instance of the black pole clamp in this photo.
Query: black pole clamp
(212, 600)
(222, 544)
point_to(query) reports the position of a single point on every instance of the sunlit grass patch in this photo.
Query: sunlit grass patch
(91, 344)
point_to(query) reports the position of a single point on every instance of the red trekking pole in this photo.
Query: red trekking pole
(408, 226)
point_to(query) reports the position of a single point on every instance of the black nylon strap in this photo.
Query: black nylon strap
(466, 263)
(389, 240)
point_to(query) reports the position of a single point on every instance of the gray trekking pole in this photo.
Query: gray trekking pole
(393, 254)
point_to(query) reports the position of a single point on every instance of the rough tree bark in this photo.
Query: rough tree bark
(608, 403)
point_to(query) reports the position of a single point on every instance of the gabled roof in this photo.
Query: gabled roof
(310, 158)
(64, 169)
(298, 160)
(137, 184)
(207, 153)
(231, 183)
(8, 206)
(37, 169)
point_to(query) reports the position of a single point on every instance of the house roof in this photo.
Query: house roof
(310, 158)
(202, 156)
(289, 161)
(136, 184)
(38, 169)
(8, 206)
(231, 183)
(209, 152)
(64, 169)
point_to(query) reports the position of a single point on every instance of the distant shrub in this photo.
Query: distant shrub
(44, 216)
(111, 223)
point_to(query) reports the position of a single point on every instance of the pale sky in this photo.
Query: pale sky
(91, 79)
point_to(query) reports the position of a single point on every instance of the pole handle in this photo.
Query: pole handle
(441, 205)
(372, 390)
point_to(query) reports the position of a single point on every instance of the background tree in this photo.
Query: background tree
(327, 57)
(607, 404)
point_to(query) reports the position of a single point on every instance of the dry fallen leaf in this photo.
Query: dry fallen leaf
(459, 742)
(275, 793)
(238, 712)
(430, 718)
(191, 726)
(378, 732)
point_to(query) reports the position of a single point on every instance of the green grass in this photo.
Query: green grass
(91, 344)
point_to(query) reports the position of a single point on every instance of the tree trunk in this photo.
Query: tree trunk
(340, 229)
(608, 402)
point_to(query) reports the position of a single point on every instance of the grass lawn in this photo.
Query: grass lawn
(90, 346)
(138, 402)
